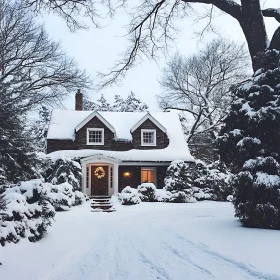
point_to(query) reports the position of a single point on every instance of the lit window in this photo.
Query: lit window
(148, 175)
(148, 137)
(95, 136)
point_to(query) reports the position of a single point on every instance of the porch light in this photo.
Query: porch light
(126, 174)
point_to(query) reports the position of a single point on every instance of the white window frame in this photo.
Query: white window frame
(95, 129)
(155, 137)
(149, 169)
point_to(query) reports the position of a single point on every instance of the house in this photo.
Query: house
(117, 149)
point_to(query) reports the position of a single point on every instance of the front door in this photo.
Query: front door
(99, 180)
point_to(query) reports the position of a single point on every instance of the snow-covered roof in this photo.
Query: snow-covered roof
(63, 124)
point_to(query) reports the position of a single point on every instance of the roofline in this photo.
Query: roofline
(151, 118)
(92, 115)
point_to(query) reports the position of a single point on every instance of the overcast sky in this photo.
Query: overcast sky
(97, 49)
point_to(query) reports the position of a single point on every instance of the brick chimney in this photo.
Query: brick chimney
(79, 101)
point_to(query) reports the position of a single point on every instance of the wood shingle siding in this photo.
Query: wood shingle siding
(110, 143)
(161, 142)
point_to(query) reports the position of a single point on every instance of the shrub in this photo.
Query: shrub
(60, 196)
(27, 212)
(178, 177)
(211, 181)
(178, 197)
(147, 192)
(129, 196)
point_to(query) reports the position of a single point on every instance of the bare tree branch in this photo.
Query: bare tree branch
(275, 13)
(199, 85)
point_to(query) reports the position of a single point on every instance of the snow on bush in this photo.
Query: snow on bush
(202, 194)
(27, 213)
(178, 182)
(162, 195)
(253, 153)
(64, 170)
(178, 177)
(129, 196)
(211, 181)
(26, 209)
(147, 192)
(60, 196)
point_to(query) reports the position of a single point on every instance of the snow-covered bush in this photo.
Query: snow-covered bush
(249, 145)
(27, 213)
(147, 192)
(162, 195)
(202, 194)
(178, 197)
(211, 181)
(129, 196)
(178, 176)
(60, 196)
(64, 170)
(80, 198)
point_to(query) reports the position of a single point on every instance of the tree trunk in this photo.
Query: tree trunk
(252, 24)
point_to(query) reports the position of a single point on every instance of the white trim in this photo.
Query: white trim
(152, 119)
(150, 168)
(100, 159)
(155, 137)
(92, 115)
(95, 129)
(116, 179)
(148, 163)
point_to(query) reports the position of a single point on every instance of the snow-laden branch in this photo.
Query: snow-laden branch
(272, 13)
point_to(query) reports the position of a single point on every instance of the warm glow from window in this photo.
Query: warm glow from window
(126, 174)
(148, 176)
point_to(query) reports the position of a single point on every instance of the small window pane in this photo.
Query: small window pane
(148, 176)
(95, 136)
(148, 137)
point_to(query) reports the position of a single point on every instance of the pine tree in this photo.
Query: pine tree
(40, 127)
(134, 104)
(178, 176)
(17, 157)
(65, 170)
(249, 145)
(119, 104)
(130, 104)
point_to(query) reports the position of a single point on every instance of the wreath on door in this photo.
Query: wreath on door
(99, 172)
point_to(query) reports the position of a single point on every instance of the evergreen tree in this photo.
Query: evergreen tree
(65, 170)
(17, 157)
(100, 105)
(178, 177)
(40, 127)
(119, 104)
(130, 104)
(249, 145)
(134, 104)
(104, 105)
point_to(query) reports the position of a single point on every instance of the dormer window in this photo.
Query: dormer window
(95, 136)
(148, 137)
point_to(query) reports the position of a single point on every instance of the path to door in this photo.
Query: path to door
(148, 241)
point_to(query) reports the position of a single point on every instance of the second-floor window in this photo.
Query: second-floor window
(148, 137)
(95, 136)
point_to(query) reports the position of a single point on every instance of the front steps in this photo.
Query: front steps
(101, 204)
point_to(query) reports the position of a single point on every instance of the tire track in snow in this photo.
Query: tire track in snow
(216, 258)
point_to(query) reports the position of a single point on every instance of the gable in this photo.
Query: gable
(92, 116)
(151, 119)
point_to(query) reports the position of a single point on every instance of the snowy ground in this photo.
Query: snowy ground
(147, 241)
